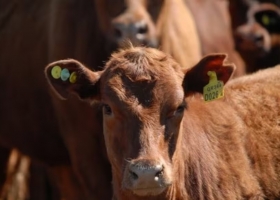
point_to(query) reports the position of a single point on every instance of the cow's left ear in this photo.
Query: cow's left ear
(71, 76)
(197, 77)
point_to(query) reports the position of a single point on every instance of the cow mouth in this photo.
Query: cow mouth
(154, 191)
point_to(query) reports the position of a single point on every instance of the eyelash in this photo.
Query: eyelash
(180, 109)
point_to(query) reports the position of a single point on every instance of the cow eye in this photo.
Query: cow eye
(107, 109)
(180, 109)
(268, 19)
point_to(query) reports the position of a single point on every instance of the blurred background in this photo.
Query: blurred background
(52, 149)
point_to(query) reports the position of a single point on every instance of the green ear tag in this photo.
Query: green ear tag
(214, 89)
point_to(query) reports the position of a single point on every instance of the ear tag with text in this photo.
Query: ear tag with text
(214, 89)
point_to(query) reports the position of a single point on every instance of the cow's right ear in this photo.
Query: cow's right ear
(198, 76)
(71, 76)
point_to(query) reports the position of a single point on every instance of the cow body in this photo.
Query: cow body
(213, 22)
(165, 142)
(30, 119)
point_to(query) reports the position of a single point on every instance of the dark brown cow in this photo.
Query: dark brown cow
(28, 116)
(22, 124)
(165, 142)
(258, 37)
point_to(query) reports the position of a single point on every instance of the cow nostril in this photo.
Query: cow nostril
(117, 32)
(258, 38)
(158, 174)
(143, 29)
(134, 175)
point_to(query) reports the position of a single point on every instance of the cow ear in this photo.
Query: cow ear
(70, 76)
(197, 77)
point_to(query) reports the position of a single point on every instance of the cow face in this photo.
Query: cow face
(144, 106)
(142, 91)
(130, 20)
(262, 31)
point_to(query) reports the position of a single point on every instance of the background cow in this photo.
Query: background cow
(213, 22)
(257, 33)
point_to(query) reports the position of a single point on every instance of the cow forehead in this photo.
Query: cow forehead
(146, 77)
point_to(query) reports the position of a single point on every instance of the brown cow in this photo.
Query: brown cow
(213, 22)
(258, 38)
(88, 42)
(186, 29)
(167, 24)
(46, 129)
(165, 142)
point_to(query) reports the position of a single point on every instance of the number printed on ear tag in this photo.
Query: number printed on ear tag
(214, 89)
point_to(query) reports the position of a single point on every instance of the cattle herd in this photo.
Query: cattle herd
(139, 99)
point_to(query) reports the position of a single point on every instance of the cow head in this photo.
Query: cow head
(262, 31)
(143, 92)
(129, 20)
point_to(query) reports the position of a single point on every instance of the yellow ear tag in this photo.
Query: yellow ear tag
(214, 89)
(73, 77)
(55, 72)
(265, 20)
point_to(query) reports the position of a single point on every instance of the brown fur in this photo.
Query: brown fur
(33, 34)
(16, 185)
(213, 22)
(178, 33)
(26, 114)
(224, 149)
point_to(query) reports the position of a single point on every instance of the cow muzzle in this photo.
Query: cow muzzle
(136, 27)
(145, 178)
(252, 38)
